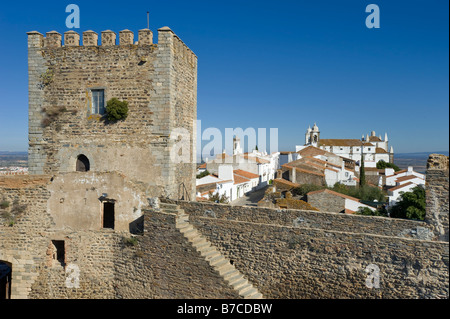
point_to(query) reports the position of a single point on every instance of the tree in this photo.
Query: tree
(411, 205)
(368, 212)
(362, 173)
(217, 198)
(203, 174)
(382, 165)
(116, 110)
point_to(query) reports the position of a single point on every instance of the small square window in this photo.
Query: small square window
(98, 101)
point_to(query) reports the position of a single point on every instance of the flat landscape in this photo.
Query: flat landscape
(416, 160)
(402, 160)
(13, 159)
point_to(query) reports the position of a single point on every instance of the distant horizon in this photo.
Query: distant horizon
(425, 152)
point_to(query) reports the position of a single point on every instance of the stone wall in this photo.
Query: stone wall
(98, 263)
(22, 243)
(298, 262)
(327, 202)
(437, 196)
(310, 219)
(165, 265)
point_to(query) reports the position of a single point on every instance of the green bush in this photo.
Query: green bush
(368, 212)
(366, 192)
(217, 198)
(116, 110)
(304, 189)
(411, 205)
(130, 241)
(4, 204)
(382, 165)
(203, 174)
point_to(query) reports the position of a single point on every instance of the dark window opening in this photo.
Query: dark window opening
(60, 253)
(108, 215)
(5, 280)
(82, 163)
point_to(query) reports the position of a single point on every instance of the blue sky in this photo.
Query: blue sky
(265, 64)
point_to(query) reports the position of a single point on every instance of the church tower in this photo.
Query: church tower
(308, 136)
(312, 136)
(237, 146)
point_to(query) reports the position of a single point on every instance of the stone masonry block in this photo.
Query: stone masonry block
(108, 38)
(126, 37)
(71, 38)
(90, 38)
(53, 39)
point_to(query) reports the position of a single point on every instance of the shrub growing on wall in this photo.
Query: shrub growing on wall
(116, 110)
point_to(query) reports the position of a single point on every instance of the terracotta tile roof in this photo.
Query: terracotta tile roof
(399, 172)
(323, 162)
(285, 182)
(349, 211)
(342, 142)
(400, 186)
(325, 190)
(374, 139)
(202, 165)
(312, 151)
(205, 188)
(239, 179)
(245, 174)
(379, 150)
(406, 178)
(302, 170)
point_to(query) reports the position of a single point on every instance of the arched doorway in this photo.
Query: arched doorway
(83, 164)
(5, 280)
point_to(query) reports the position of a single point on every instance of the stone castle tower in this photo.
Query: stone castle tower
(69, 85)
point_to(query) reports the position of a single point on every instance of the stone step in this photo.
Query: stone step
(246, 289)
(168, 206)
(240, 283)
(184, 227)
(230, 274)
(210, 253)
(205, 248)
(219, 263)
(254, 295)
(198, 240)
(248, 293)
(235, 278)
(225, 268)
(199, 246)
(215, 257)
(191, 233)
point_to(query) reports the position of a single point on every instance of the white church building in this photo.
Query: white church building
(373, 148)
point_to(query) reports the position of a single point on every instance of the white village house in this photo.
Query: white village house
(403, 181)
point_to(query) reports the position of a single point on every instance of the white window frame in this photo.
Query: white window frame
(95, 106)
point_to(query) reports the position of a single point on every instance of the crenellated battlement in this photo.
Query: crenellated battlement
(107, 38)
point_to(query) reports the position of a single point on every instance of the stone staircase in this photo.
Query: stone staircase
(211, 254)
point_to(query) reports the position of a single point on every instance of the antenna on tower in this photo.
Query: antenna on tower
(148, 21)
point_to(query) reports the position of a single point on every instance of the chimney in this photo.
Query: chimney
(226, 172)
